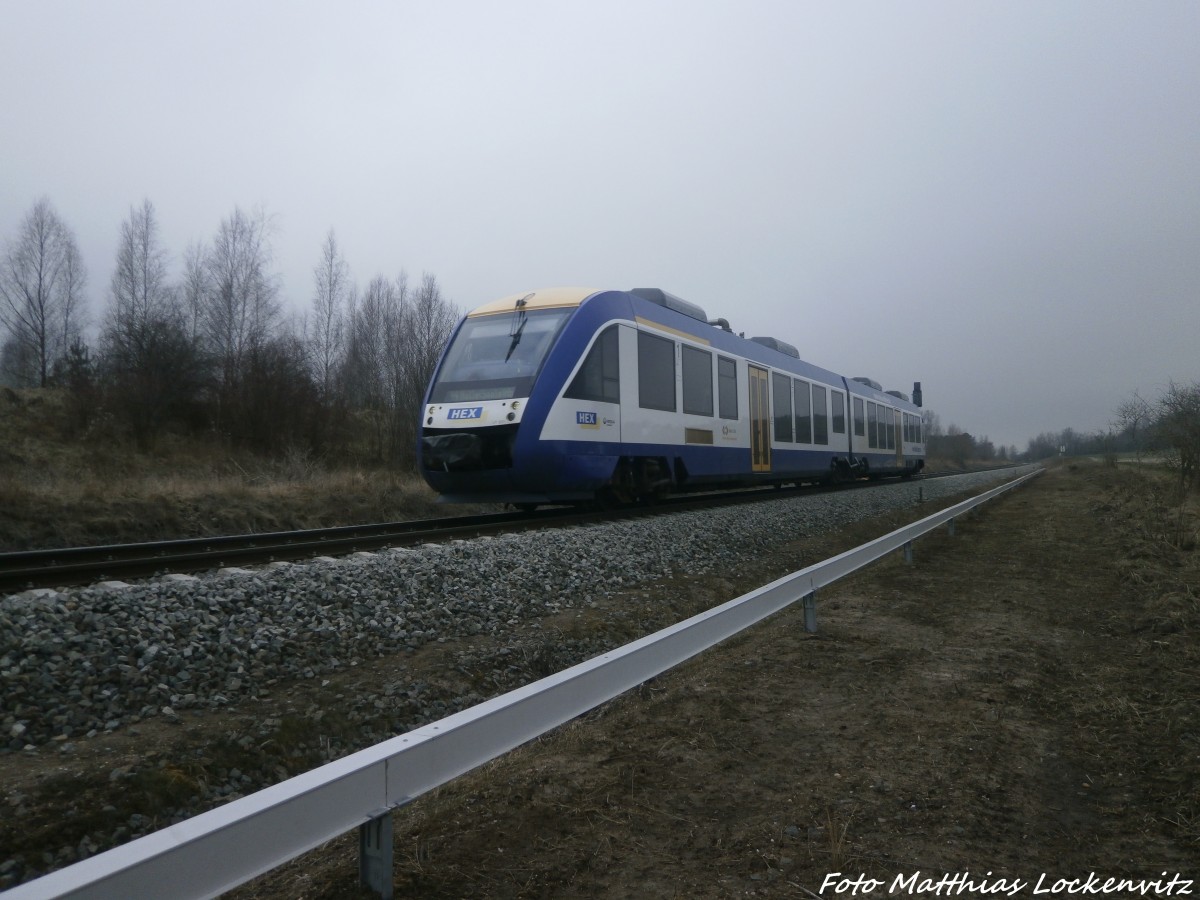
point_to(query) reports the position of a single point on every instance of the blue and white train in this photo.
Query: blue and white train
(570, 395)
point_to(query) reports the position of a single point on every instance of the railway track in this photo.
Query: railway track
(69, 566)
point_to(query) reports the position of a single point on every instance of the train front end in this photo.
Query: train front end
(481, 418)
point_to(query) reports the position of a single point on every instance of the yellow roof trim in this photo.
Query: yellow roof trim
(547, 298)
(658, 326)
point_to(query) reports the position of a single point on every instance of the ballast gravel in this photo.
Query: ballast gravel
(78, 662)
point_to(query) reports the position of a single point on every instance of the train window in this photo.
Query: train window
(803, 413)
(887, 428)
(727, 388)
(860, 421)
(907, 428)
(872, 425)
(598, 379)
(820, 415)
(656, 372)
(838, 402)
(497, 357)
(781, 387)
(697, 381)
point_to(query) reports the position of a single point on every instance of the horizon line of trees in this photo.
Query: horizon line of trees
(212, 354)
(958, 446)
(1168, 426)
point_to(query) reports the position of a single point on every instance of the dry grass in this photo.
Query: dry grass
(59, 490)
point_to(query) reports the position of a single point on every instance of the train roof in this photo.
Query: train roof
(568, 297)
(546, 298)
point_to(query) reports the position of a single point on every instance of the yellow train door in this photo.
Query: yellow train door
(760, 421)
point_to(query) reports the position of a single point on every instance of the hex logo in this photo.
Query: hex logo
(466, 412)
(586, 419)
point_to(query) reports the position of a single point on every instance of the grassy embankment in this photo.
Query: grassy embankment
(59, 489)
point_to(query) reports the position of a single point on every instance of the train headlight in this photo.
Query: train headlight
(511, 416)
(429, 421)
(515, 404)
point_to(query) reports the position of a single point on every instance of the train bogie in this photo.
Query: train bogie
(570, 395)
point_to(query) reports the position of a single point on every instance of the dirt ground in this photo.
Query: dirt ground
(1018, 707)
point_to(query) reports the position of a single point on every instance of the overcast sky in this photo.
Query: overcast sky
(1000, 200)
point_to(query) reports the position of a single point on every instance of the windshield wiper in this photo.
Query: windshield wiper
(522, 318)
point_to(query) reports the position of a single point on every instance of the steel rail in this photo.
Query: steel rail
(61, 567)
(80, 565)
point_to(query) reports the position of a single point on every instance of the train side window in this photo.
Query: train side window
(697, 381)
(656, 372)
(727, 388)
(907, 428)
(887, 428)
(781, 387)
(598, 378)
(860, 420)
(820, 415)
(872, 425)
(803, 413)
(838, 402)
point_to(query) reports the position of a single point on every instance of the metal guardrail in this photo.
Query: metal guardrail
(220, 849)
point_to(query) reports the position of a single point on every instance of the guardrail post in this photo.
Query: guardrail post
(375, 855)
(908, 555)
(951, 524)
(809, 601)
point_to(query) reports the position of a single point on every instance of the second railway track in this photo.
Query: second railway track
(71, 566)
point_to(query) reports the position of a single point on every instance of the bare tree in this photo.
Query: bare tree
(932, 423)
(430, 322)
(333, 289)
(17, 363)
(152, 365)
(140, 297)
(370, 361)
(1134, 417)
(41, 293)
(240, 301)
(1178, 427)
(193, 289)
(394, 339)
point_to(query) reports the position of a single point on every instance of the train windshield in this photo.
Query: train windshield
(497, 357)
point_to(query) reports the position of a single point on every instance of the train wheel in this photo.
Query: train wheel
(614, 497)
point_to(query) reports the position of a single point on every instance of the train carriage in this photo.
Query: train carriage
(570, 395)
